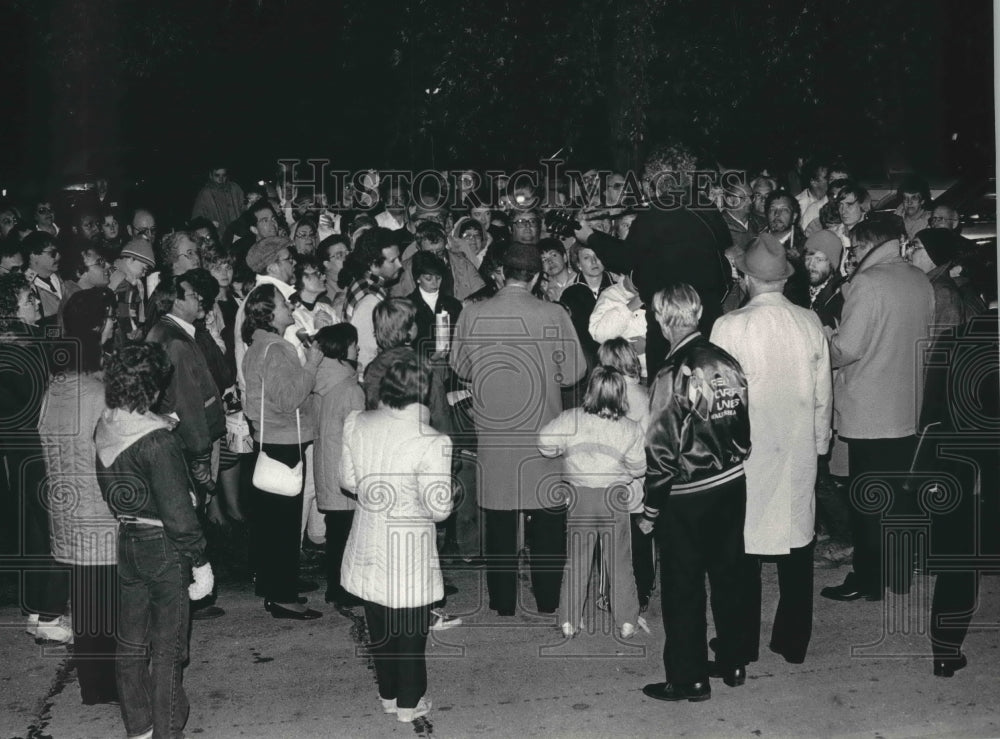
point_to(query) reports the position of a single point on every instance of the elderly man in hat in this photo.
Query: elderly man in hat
(516, 352)
(271, 259)
(126, 281)
(785, 356)
(822, 262)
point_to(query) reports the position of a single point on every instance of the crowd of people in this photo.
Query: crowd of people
(417, 382)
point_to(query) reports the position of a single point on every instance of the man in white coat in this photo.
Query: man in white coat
(785, 356)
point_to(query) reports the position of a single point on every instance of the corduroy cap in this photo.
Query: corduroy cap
(265, 251)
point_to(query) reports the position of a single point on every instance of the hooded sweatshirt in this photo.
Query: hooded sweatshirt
(142, 472)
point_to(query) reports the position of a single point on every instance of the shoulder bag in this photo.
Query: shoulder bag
(269, 474)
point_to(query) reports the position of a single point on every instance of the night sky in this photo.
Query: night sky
(164, 89)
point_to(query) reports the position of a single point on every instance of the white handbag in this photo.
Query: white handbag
(269, 474)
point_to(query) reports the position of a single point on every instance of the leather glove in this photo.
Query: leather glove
(203, 583)
(200, 466)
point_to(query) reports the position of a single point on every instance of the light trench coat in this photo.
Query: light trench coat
(786, 358)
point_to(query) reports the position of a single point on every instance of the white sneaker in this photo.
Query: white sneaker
(32, 626)
(443, 621)
(568, 631)
(388, 705)
(406, 715)
(627, 631)
(144, 735)
(57, 631)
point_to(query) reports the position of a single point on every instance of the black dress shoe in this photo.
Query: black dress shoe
(279, 611)
(306, 586)
(948, 667)
(731, 676)
(694, 692)
(449, 589)
(790, 658)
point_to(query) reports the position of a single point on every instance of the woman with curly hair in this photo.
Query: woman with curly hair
(280, 386)
(143, 476)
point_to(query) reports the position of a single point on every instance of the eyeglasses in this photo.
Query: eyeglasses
(526, 222)
(51, 251)
(148, 232)
(8, 221)
(934, 220)
(99, 263)
(43, 209)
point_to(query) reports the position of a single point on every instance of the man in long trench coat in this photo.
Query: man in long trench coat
(516, 352)
(785, 356)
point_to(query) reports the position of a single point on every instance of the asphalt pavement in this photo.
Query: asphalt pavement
(867, 673)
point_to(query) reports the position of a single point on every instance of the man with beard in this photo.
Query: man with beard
(783, 225)
(823, 253)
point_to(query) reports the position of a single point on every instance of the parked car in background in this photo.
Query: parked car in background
(975, 199)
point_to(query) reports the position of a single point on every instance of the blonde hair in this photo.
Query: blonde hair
(393, 320)
(606, 394)
(677, 305)
(619, 354)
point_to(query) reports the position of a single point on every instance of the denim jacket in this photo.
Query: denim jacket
(142, 472)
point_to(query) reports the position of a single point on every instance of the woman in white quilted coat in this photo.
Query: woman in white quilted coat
(400, 469)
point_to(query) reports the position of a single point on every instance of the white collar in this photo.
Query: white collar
(430, 298)
(188, 328)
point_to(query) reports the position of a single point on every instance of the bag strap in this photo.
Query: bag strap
(298, 423)
(262, 362)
